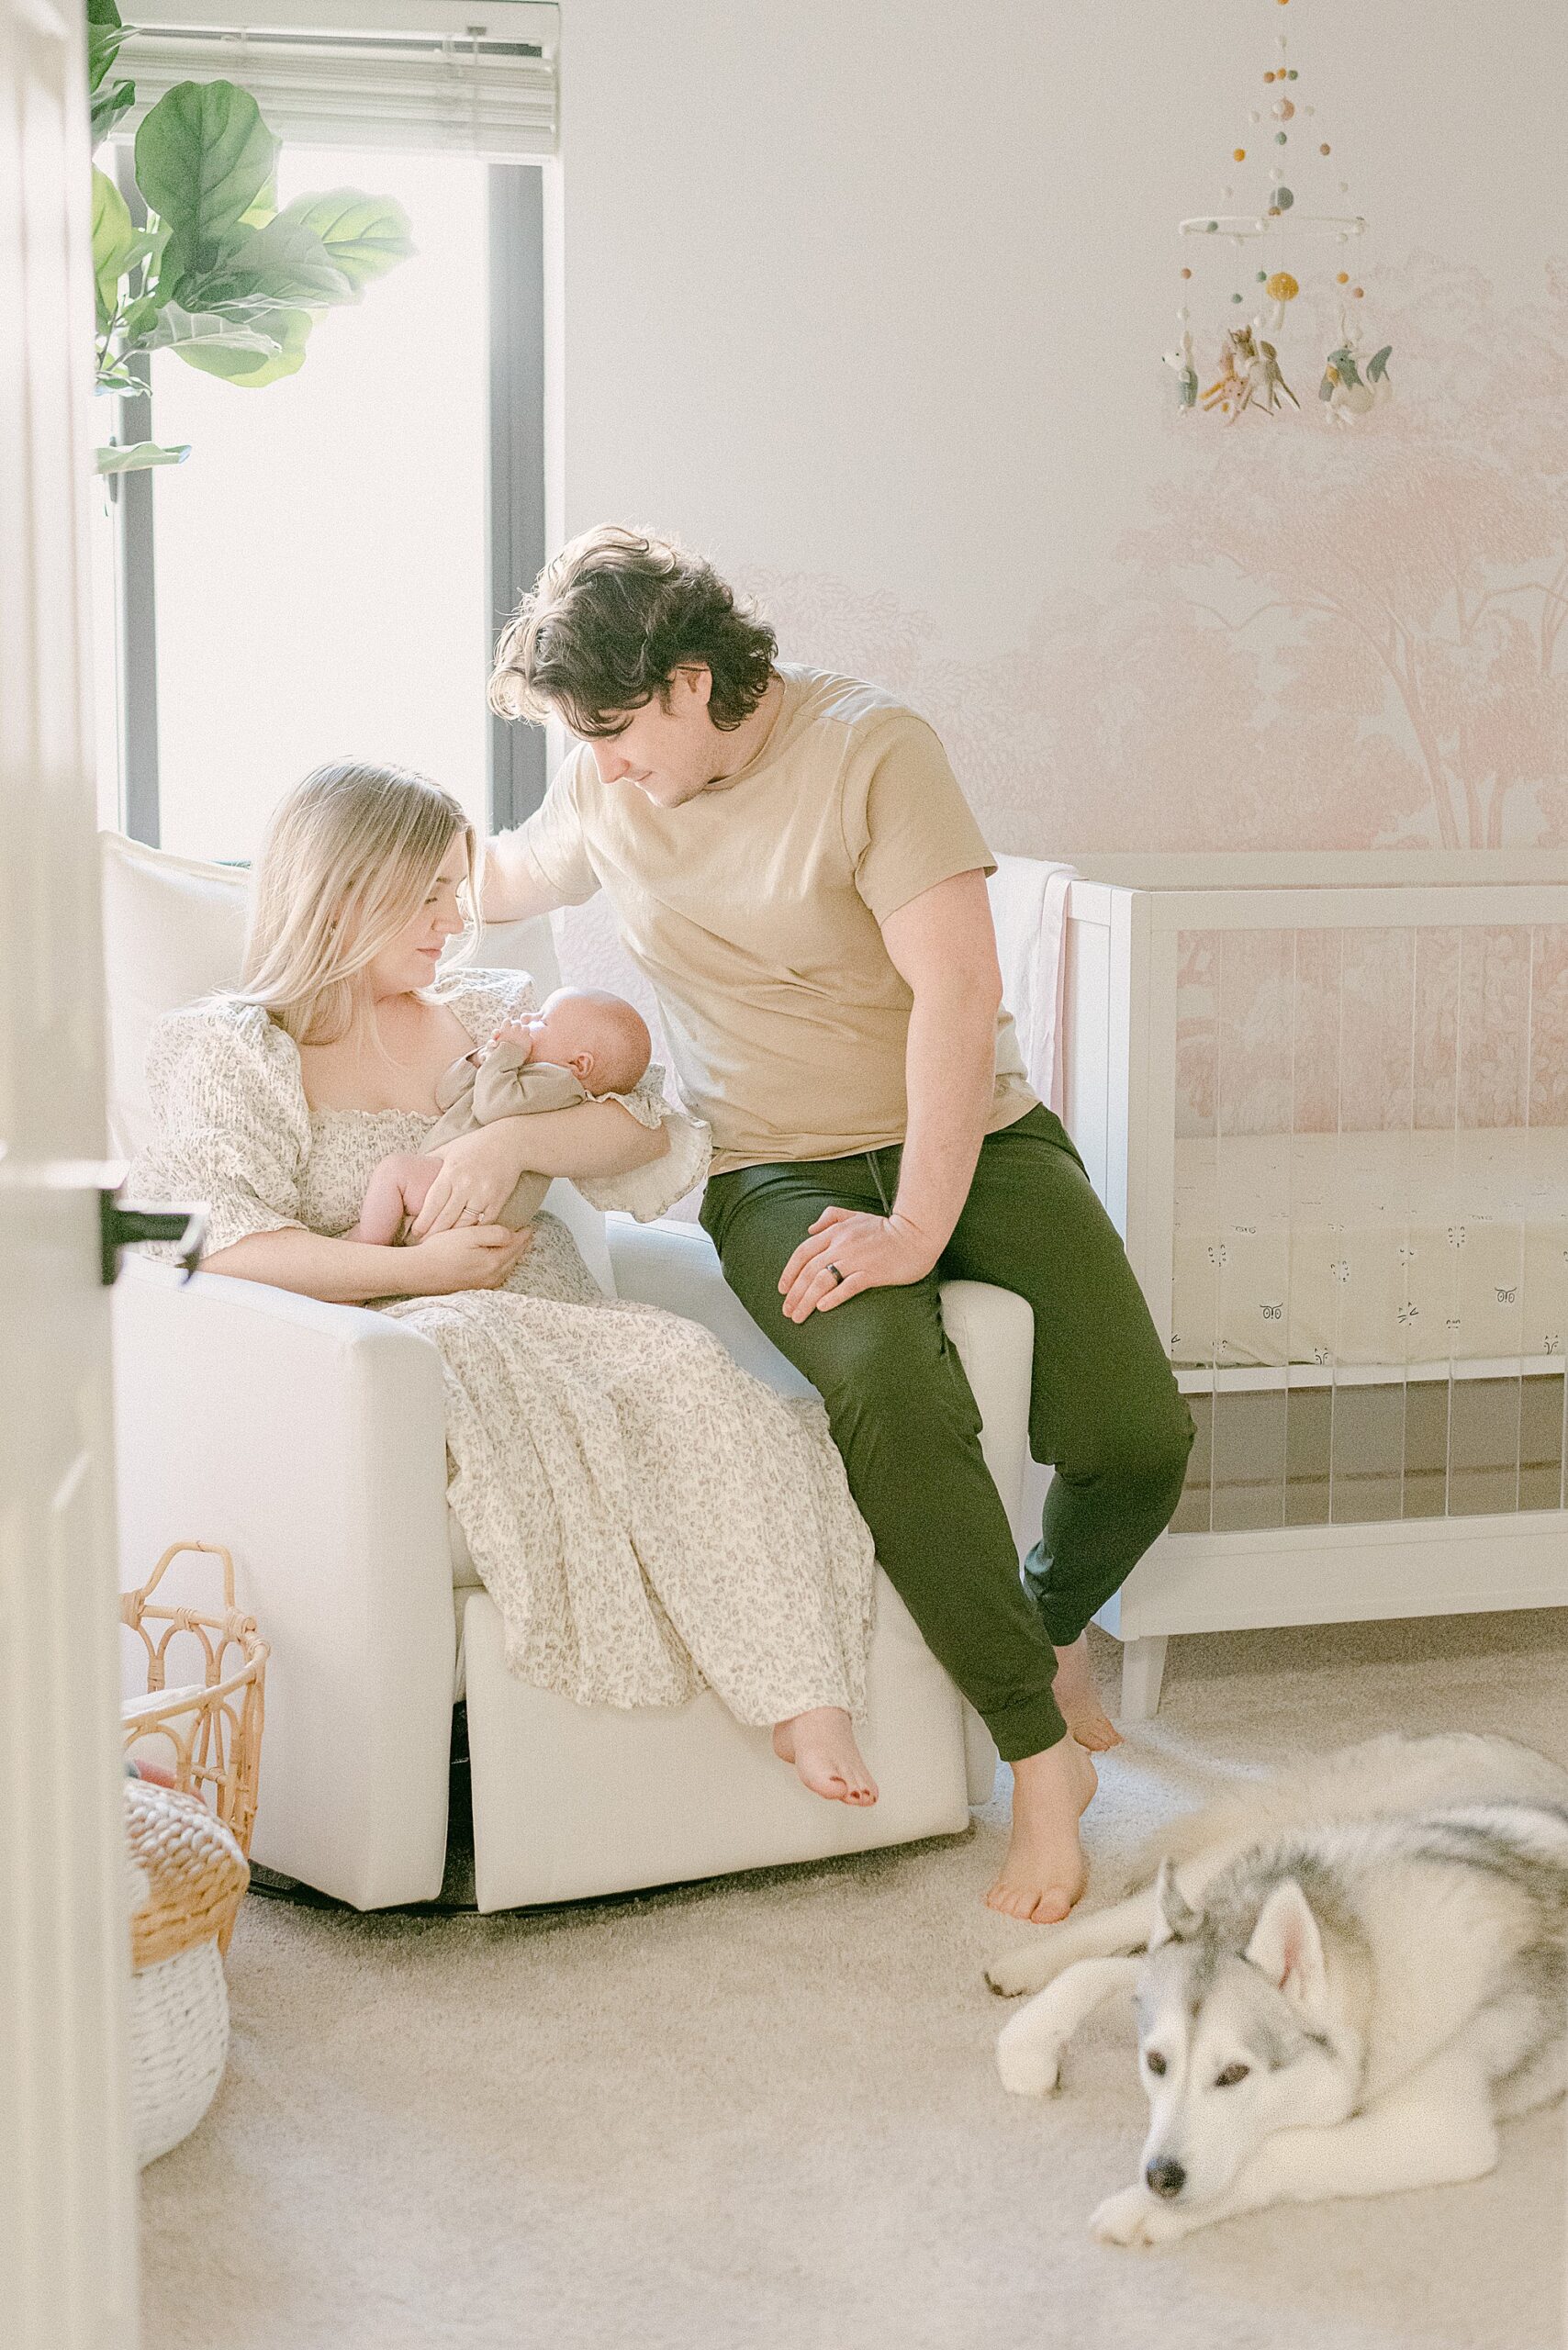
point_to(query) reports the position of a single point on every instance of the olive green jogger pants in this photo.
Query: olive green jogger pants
(1105, 1410)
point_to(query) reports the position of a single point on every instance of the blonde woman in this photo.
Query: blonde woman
(647, 1516)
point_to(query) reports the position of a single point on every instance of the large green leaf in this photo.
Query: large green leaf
(283, 264)
(115, 243)
(184, 330)
(203, 156)
(107, 107)
(103, 42)
(264, 207)
(288, 330)
(140, 455)
(364, 235)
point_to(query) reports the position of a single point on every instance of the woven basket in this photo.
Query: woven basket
(188, 1877)
(212, 1729)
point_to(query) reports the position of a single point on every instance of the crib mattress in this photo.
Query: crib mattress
(1370, 1249)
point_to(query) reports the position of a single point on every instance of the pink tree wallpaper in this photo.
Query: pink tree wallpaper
(1344, 637)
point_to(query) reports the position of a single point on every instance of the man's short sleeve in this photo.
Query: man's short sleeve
(906, 824)
(553, 837)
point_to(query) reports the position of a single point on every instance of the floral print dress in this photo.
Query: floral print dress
(648, 1517)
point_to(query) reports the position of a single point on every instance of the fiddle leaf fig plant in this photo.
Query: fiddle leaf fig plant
(219, 275)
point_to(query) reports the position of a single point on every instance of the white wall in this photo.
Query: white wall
(868, 300)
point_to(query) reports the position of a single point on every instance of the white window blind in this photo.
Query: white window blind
(457, 75)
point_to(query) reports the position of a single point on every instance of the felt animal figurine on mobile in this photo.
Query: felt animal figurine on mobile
(1181, 359)
(1266, 380)
(1346, 391)
(1238, 354)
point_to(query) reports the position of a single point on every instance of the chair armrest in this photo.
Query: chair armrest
(311, 1440)
(676, 1265)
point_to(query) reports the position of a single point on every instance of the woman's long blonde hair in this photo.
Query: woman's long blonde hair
(348, 858)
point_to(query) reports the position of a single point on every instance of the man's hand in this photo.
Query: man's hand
(866, 1251)
(479, 1175)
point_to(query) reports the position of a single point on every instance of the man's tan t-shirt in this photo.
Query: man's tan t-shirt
(753, 908)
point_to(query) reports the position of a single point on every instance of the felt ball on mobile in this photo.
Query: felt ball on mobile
(1239, 155)
(1342, 279)
(1186, 273)
(1360, 292)
(1280, 138)
(1291, 76)
(1211, 228)
(1283, 109)
(1268, 77)
(1283, 287)
(1284, 199)
(1236, 298)
(1326, 148)
(1262, 273)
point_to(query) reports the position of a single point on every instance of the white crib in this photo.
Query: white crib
(1326, 1100)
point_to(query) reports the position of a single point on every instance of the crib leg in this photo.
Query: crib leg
(1143, 1669)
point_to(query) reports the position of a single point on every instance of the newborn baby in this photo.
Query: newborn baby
(580, 1046)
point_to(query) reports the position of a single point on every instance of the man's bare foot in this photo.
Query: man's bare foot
(1045, 1872)
(1074, 1692)
(820, 1744)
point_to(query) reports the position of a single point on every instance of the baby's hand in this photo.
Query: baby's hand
(512, 1032)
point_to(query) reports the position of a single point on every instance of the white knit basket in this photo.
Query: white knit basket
(179, 2040)
(184, 1877)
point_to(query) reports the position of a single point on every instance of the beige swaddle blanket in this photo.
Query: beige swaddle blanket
(499, 1082)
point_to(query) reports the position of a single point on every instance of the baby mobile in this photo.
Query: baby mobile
(1249, 379)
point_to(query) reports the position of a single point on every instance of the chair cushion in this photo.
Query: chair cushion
(174, 929)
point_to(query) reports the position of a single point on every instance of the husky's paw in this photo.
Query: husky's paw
(1135, 2217)
(1029, 2063)
(1025, 1968)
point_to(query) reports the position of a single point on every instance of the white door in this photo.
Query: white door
(67, 2183)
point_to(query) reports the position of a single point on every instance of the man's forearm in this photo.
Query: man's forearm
(949, 1070)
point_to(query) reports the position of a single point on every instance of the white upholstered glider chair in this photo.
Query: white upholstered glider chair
(310, 1439)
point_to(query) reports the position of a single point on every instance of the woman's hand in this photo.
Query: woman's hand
(479, 1175)
(470, 1255)
(844, 1253)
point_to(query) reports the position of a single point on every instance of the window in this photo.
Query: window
(324, 575)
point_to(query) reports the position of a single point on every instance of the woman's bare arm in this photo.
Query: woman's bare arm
(346, 1272)
(594, 1138)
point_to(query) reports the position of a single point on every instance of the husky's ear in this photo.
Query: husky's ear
(1287, 1945)
(1173, 1913)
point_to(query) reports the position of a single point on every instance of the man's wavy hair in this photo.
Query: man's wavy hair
(607, 625)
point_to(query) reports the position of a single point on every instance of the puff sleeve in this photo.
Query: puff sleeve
(652, 1190)
(232, 1128)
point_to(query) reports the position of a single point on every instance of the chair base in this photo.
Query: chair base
(571, 1801)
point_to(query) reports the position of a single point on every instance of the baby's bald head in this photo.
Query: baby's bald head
(601, 1036)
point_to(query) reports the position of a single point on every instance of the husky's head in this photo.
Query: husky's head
(1235, 2038)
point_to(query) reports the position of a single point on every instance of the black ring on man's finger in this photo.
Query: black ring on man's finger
(835, 1271)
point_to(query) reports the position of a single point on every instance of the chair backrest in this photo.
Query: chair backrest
(174, 929)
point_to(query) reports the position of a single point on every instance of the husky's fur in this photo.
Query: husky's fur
(1353, 1973)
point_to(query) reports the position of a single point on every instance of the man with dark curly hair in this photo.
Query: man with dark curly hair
(793, 867)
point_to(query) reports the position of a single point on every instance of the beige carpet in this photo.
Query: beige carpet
(764, 2113)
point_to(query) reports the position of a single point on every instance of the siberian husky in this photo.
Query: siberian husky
(1351, 1974)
